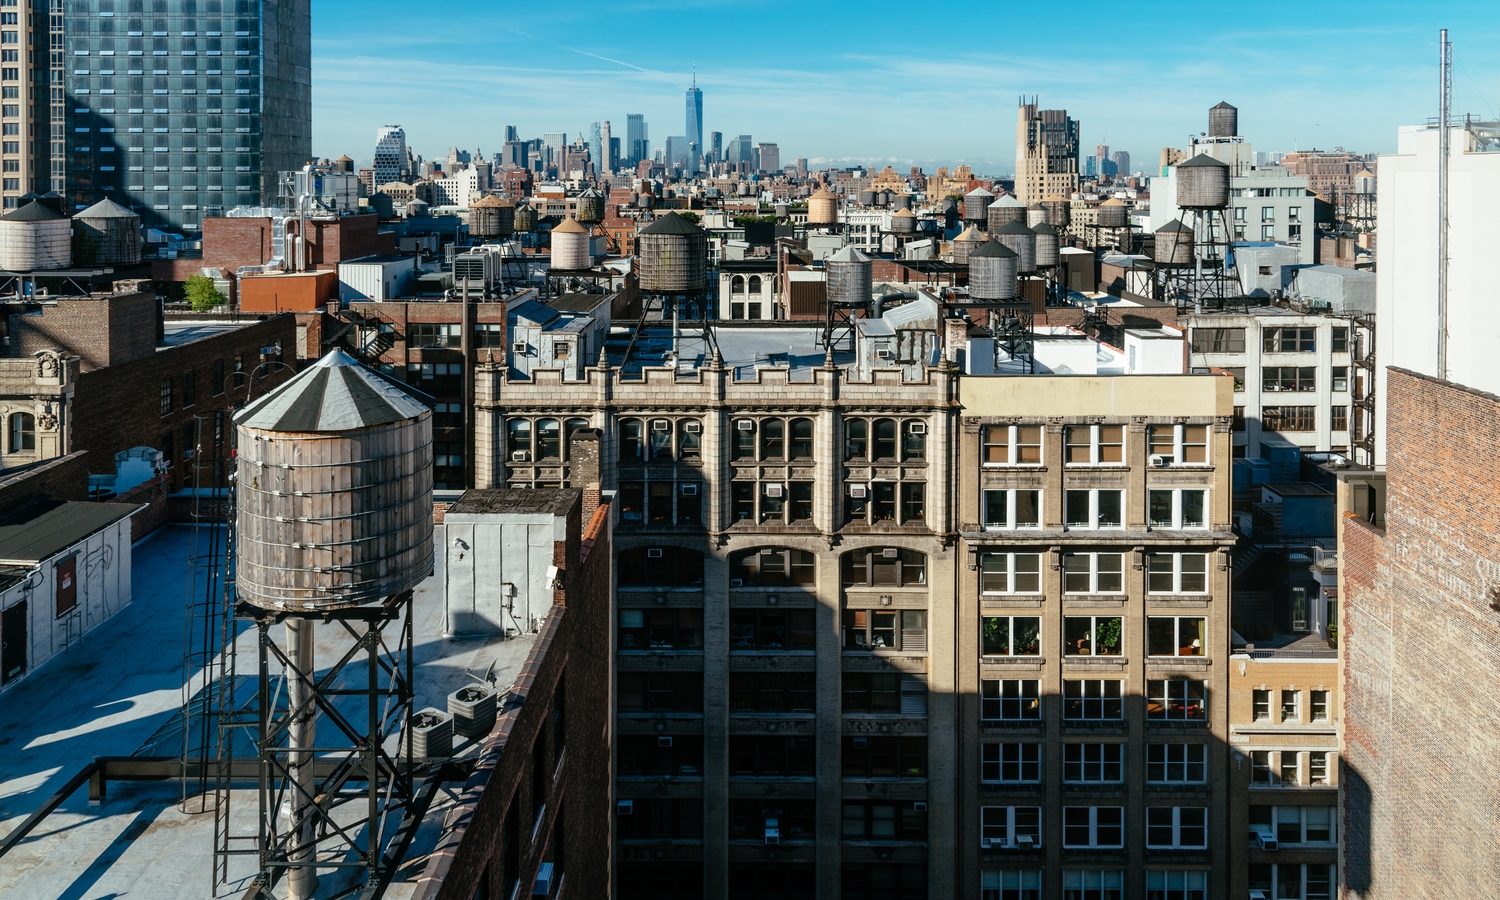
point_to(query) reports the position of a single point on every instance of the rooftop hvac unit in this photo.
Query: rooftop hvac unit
(660, 425)
(773, 491)
(625, 807)
(653, 553)
(520, 455)
(692, 427)
(857, 491)
(917, 427)
(744, 425)
(1161, 460)
(690, 490)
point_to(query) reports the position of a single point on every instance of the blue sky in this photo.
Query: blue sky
(887, 82)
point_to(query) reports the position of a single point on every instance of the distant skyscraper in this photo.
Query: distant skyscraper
(677, 147)
(596, 147)
(1122, 162)
(607, 159)
(770, 158)
(635, 138)
(511, 134)
(1046, 153)
(1090, 167)
(695, 114)
(741, 150)
(390, 154)
(555, 142)
(210, 125)
(716, 145)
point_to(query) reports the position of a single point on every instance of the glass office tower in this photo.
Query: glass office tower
(176, 108)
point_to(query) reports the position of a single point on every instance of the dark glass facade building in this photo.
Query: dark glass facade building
(177, 108)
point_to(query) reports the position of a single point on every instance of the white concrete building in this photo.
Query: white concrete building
(1266, 205)
(457, 189)
(1407, 279)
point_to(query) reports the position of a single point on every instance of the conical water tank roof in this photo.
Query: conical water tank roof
(336, 393)
(903, 221)
(35, 211)
(1173, 244)
(1113, 213)
(106, 209)
(968, 240)
(569, 226)
(106, 234)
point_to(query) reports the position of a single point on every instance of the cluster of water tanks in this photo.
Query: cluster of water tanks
(672, 256)
(977, 204)
(37, 236)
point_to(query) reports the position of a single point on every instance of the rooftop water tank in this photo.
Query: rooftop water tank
(1004, 210)
(1202, 183)
(903, 221)
(570, 246)
(1223, 121)
(1022, 240)
(525, 218)
(967, 241)
(106, 234)
(867, 198)
(1113, 213)
(334, 504)
(1047, 243)
(673, 256)
(992, 272)
(1059, 211)
(850, 278)
(1173, 244)
(491, 217)
(590, 207)
(976, 204)
(823, 208)
(1035, 215)
(35, 237)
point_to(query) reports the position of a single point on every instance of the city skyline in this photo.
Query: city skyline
(1322, 81)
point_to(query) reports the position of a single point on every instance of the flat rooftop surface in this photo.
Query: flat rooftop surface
(118, 692)
(33, 532)
(175, 334)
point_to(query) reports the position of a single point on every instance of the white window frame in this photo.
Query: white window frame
(999, 699)
(1094, 523)
(1011, 446)
(1178, 818)
(1094, 881)
(1312, 706)
(995, 884)
(1010, 510)
(1301, 814)
(1177, 883)
(1100, 765)
(1010, 572)
(1094, 446)
(998, 827)
(1176, 521)
(1275, 893)
(1098, 698)
(1178, 433)
(1329, 759)
(1174, 758)
(1093, 573)
(1281, 698)
(995, 757)
(1177, 572)
(1117, 812)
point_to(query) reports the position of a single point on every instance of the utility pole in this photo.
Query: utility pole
(1445, 103)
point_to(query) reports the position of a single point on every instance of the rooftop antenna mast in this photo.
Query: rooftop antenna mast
(1445, 105)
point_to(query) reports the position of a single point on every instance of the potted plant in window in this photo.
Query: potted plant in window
(1333, 636)
(1108, 635)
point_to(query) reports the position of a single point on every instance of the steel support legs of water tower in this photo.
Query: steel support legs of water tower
(336, 772)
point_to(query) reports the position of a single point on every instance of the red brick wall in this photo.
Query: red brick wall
(63, 478)
(347, 237)
(575, 641)
(103, 329)
(1421, 654)
(153, 494)
(229, 243)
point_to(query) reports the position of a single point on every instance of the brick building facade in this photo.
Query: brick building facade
(101, 330)
(1420, 640)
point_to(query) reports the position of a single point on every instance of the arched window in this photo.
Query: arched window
(856, 438)
(22, 433)
(660, 567)
(802, 439)
(661, 439)
(631, 440)
(914, 439)
(883, 567)
(518, 439)
(755, 284)
(885, 439)
(548, 439)
(569, 427)
(737, 284)
(772, 438)
(690, 438)
(772, 567)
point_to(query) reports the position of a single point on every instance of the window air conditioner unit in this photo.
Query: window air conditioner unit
(518, 347)
(625, 807)
(663, 742)
(1265, 838)
(1025, 842)
(917, 427)
(692, 427)
(1161, 460)
(889, 552)
(773, 831)
(660, 425)
(883, 353)
(986, 843)
(653, 553)
(690, 490)
(857, 491)
(773, 491)
(744, 425)
(542, 887)
(920, 806)
(520, 456)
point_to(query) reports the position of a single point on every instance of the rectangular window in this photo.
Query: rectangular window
(885, 630)
(1010, 884)
(660, 691)
(1010, 573)
(791, 629)
(189, 393)
(1095, 508)
(1289, 418)
(1177, 700)
(1340, 379)
(1092, 635)
(1009, 699)
(661, 629)
(1015, 445)
(165, 394)
(764, 755)
(1239, 377)
(1291, 706)
(489, 334)
(913, 507)
(1011, 635)
(1179, 508)
(1093, 884)
(1290, 773)
(1177, 827)
(1176, 636)
(1094, 444)
(1218, 340)
(1093, 826)
(1177, 763)
(1268, 232)
(1007, 509)
(1268, 213)
(884, 757)
(434, 335)
(1177, 573)
(1298, 379)
(771, 692)
(1010, 763)
(1319, 706)
(1087, 699)
(1010, 827)
(871, 692)
(1094, 573)
(1289, 340)
(884, 820)
(1317, 767)
(1260, 767)
(1260, 705)
(1338, 418)
(1338, 339)
(1093, 763)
